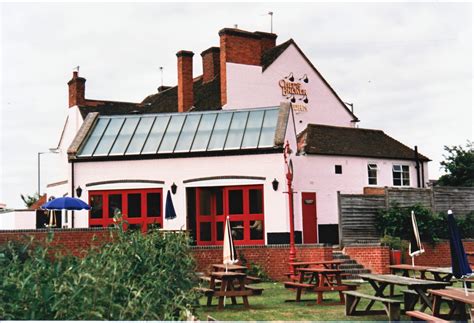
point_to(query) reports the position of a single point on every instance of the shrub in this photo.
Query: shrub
(396, 222)
(135, 277)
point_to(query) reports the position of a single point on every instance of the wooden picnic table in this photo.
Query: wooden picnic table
(442, 274)
(319, 280)
(380, 282)
(459, 302)
(232, 285)
(233, 267)
(329, 264)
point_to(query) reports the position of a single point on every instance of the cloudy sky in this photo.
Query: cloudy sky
(406, 67)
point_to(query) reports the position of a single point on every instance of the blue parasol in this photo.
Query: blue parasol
(66, 203)
(460, 265)
(170, 213)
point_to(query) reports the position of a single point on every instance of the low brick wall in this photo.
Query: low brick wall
(272, 258)
(372, 256)
(75, 241)
(438, 255)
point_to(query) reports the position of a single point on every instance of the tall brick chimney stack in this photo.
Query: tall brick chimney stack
(185, 80)
(241, 47)
(210, 63)
(77, 90)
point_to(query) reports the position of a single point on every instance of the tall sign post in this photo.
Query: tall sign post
(289, 180)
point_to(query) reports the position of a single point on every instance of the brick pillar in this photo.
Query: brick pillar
(185, 80)
(77, 90)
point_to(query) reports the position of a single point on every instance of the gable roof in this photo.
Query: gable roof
(342, 141)
(271, 55)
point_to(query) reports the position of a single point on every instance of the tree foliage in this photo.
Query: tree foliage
(459, 166)
(29, 200)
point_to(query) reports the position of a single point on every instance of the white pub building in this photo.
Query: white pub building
(215, 141)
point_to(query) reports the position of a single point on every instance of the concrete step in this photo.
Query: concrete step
(351, 266)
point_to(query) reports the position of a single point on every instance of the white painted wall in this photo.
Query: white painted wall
(18, 220)
(248, 87)
(178, 170)
(316, 173)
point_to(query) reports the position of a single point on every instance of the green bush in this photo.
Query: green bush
(396, 222)
(135, 277)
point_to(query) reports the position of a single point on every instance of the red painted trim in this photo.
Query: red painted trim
(142, 220)
(246, 217)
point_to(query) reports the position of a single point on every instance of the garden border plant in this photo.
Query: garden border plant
(133, 277)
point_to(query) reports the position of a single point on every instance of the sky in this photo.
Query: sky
(406, 67)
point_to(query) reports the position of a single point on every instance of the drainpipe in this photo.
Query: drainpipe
(417, 161)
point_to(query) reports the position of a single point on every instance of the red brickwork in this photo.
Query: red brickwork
(77, 90)
(185, 80)
(273, 259)
(438, 255)
(375, 258)
(76, 241)
(210, 64)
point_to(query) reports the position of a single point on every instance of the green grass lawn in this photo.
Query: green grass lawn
(271, 306)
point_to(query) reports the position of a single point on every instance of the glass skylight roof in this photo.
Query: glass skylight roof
(128, 135)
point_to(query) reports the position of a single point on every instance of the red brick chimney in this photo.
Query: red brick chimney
(185, 80)
(267, 40)
(210, 63)
(241, 47)
(77, 90)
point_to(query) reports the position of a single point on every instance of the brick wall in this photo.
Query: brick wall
(74, 240)
(185, 80)
(373, 257)
(438, 255)
(273, 258)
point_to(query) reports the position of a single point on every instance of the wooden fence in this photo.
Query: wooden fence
(357, 211)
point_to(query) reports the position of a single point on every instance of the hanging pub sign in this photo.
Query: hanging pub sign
(294, 91)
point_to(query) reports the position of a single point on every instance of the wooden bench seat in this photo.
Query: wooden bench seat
(252, 280)
(204, 291)
(392, 306)
(299, 288)
(424, 317)
(255, 290)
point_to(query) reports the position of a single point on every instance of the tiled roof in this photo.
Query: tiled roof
(329, 140)
(269, 56)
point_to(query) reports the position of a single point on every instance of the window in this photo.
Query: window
(243, 204)
(401, 175)
(372, 173)
(338, 169)
(142, 209)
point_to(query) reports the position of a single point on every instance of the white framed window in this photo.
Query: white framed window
(401, 175)
(372, 173)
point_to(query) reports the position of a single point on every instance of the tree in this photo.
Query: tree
(459, 166)
(29, 200)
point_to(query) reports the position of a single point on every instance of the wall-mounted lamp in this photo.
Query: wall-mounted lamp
(304, 78)
(275, 184)
(78, 191)
(292, 98)
(174, 187)
(290, 77)
(304, 99)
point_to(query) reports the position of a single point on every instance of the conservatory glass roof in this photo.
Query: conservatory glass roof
(124, 135)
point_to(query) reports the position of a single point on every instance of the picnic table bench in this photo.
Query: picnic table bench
(442, 274)
(457, 300)
(320, 280)
(380, 282)
(237, 268)
(391, 306)
(228, 288)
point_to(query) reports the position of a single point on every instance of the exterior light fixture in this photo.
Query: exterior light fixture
(174, 187)
(275, 184)
(292, 98)
(304, 99)
(304, 78)
(290, 77)
(78, 191)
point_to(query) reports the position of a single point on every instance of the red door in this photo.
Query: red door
(310, 234)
